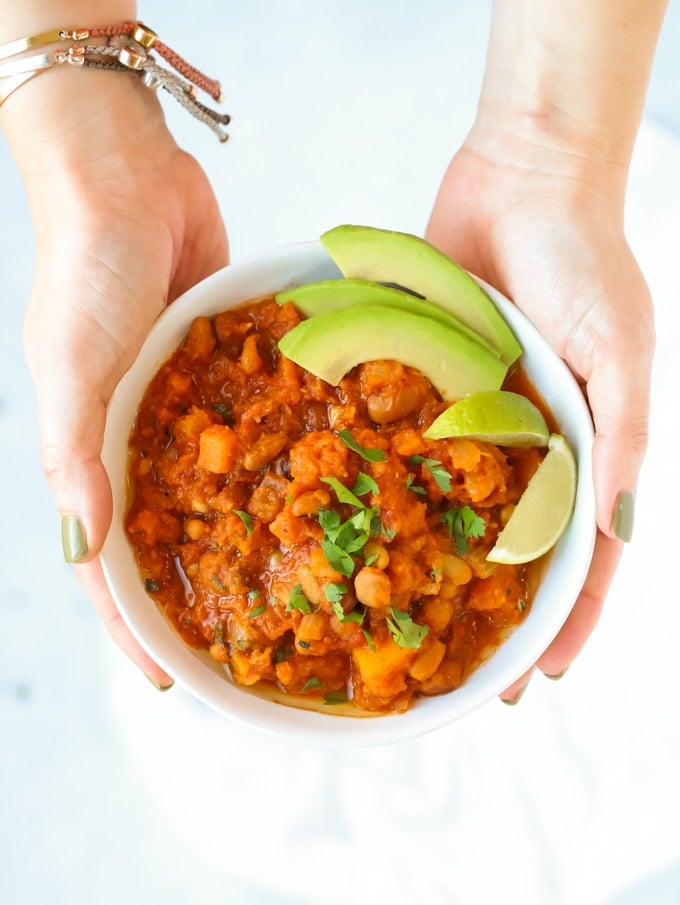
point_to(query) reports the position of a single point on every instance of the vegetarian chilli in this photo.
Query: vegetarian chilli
(306, 535)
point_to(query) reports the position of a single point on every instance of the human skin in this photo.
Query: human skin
(125, 221)
(533, 202)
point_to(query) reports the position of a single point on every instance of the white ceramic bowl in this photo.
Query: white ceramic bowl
(560, 585)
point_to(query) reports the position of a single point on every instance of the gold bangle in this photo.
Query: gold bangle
(42, 39)
(121, 54)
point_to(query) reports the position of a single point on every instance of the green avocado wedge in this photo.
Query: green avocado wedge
(331, 344)
(328, 295)
(386, 256)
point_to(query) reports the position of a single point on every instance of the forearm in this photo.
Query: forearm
(571, 78)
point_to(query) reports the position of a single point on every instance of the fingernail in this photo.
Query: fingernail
(73, 538)
(158, 685)
(512, 701)
(624, 516)
(557, 675)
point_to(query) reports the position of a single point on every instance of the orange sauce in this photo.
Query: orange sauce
(306, 535)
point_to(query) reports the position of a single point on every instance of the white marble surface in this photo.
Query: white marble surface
(110, 792)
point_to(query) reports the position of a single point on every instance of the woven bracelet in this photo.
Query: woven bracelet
(128, 49)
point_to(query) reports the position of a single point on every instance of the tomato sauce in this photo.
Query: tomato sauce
(306, 535)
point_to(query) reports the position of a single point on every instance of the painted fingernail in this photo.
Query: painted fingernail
(512, 701)
(557, 676)
(158, 685)
(624, 516)
(73, 538)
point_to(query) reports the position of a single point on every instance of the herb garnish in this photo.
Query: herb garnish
(334, 592)
(441, 476)
(218, 584)
(258, 611)
(405, 632)
(335, 697)
(311, 683)
(246, 519)
(298, 601)
(364, 484)
(370, 455)
(462, 524)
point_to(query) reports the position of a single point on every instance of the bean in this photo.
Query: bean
(372, 587)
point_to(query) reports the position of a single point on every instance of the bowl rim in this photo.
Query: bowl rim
(276, 269)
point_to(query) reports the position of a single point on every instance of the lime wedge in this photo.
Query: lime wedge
(496, 416)
(544, 509)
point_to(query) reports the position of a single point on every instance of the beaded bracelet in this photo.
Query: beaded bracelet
(128, 49)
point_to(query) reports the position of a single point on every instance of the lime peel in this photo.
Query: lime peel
(495, 416)
(543, 511)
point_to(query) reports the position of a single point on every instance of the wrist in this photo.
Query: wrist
(568, 98)
(20, 19)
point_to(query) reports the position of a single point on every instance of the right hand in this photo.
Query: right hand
(125, 221)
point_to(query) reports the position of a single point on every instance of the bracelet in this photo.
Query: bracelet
(128, 49)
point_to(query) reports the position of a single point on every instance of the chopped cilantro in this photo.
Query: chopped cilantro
(335, 697)
(405, 632)
(462, 524)
(258, 611)
(414, 487)
(369, 640)
(253, 594)
(353, 616)
(441, 476)
(218, 584)
(311, 683)
(335, 591)
(343, 494)
(246, 519)
(281, 654)
(298, 601)
(364, 484)
(370, 455)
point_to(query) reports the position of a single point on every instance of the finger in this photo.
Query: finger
(514, 692)
(91, 576)
(586, 611)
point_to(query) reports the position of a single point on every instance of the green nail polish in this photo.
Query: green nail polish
(73, 538)
(158, 684)
(624, 516)
(557, 676)
(517, 697)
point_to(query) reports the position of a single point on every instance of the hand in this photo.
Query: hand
(125, 221)
(549, 234)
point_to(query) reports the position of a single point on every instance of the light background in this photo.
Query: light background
(112, 793)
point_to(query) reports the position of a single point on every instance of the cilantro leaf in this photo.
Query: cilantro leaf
(405, 632)
(246, 519)
(311, 683)
(298, 601)
(335, 591)
(365, 484)
(462, 524)
(335, 697)
(353, 616)
(258, 611)
(441, 476)
(343, 494)
(414, 487)
(370, 455)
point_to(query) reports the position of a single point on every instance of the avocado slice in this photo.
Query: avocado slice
(331, 344)
(327, 295)
(385, 256)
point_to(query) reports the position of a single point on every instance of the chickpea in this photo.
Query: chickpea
(373, 587)
(455, 569)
